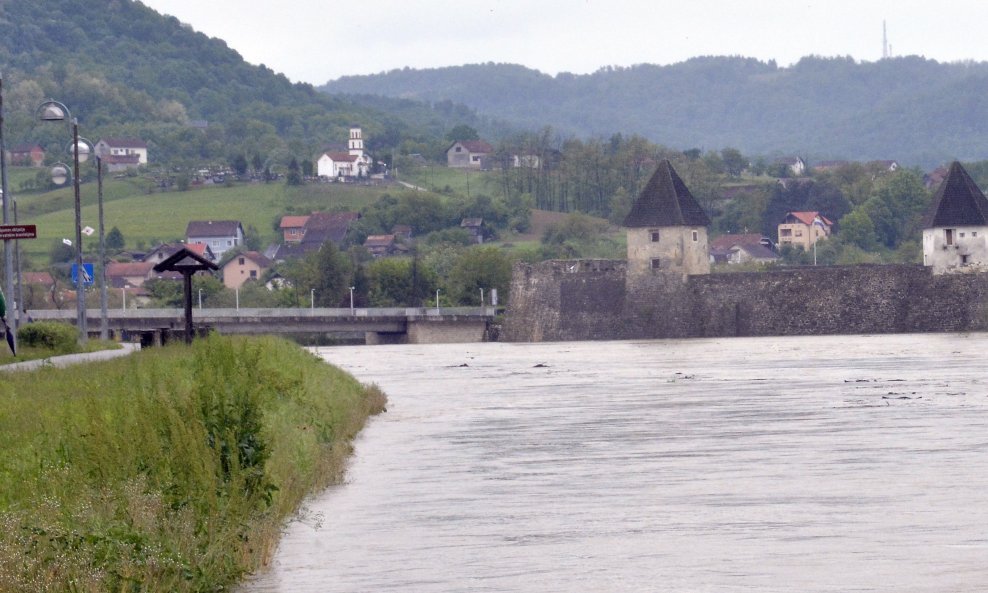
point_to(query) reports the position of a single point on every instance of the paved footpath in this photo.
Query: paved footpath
(69, 359)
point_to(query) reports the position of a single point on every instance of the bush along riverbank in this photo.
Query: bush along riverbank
(170, 470)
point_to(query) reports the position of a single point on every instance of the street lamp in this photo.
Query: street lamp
(52, 110)
(8, 277)
(437, 299)
(351, 300)
(312, 298)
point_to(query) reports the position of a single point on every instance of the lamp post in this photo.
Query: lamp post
(104, 323)
(437, 299)
(52, 110)
(351, 300)
(8, 268)
(312, 298)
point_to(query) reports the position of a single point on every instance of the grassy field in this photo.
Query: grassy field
(148, 218)
(169, 470)
(461, 181)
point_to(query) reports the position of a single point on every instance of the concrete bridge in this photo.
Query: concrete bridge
(412, 325)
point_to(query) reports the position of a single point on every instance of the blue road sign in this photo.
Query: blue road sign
(87, 274)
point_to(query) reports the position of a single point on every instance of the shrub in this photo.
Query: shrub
(51, 335)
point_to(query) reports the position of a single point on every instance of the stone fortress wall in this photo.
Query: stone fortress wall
(594, 300)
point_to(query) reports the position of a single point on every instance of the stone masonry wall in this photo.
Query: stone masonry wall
(588, 299)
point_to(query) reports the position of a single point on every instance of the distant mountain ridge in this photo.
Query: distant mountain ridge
(914, 110)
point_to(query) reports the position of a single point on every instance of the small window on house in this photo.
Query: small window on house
(253, 273)
(696, 236)
(458, 149)
(785, 233)
(654, 236)
(799, 233)
(949, 236)
(964, 259)
(974, 233)
(655, 263)
(961, 234)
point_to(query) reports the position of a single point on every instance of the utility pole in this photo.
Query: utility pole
(885, 42)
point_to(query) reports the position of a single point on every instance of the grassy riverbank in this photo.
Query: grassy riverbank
(169, 470)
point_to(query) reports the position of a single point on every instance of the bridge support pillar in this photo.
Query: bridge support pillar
(379, 338)
(446, 331)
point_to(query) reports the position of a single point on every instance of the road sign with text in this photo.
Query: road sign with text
(18, 231)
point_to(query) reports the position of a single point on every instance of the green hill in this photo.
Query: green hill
(126, 71)
(917, 111)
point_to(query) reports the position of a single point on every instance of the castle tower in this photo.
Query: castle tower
(955, 228)
(667, 228)
(356, 143)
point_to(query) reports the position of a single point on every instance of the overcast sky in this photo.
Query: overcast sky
(320, 40)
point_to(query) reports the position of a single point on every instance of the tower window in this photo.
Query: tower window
(696, 236)
(653, 235)
(655, 263)
(949, 236)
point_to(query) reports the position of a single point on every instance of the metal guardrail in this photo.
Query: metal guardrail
(273, 313)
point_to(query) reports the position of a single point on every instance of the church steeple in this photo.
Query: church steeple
(356, 142)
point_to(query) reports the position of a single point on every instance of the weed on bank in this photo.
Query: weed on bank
(169, 470)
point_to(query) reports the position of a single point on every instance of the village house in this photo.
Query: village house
(293, 228)
(119, 154)
(124, 274)
(803, 229)
(354, 162)
(26, 155)
(38, 289)
(468, 154)
(955, 228)
(380, 245)
(795, 164)
(474, 226)
(526, 161)
(317, 229)
(162, 252)
(218, 235)
(249, 265)
(742, 248)
(402, 232)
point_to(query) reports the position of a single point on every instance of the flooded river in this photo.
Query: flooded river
(844, 463)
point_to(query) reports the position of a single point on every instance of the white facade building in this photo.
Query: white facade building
(352, 163)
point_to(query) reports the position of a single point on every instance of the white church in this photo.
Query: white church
(341, 165)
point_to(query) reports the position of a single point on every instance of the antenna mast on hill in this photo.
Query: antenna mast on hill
(885, 43)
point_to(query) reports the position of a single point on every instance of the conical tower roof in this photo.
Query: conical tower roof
(666, 201)
(958, 202)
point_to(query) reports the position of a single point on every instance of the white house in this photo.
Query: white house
(354, 162)
(122, 153)
(468, 154)
(796, 165)
(955, 228)
(218, 235)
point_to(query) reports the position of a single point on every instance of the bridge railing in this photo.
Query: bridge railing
(273, 313)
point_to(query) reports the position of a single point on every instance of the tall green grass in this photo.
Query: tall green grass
(170, 470)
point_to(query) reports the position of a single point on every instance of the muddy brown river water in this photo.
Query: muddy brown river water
(844, 463)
